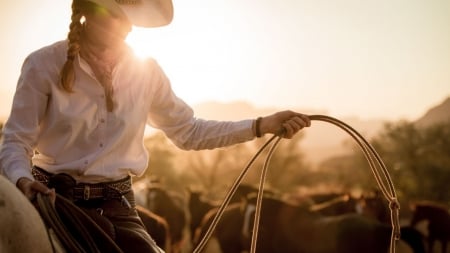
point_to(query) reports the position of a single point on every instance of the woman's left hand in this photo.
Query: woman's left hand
(284, 123)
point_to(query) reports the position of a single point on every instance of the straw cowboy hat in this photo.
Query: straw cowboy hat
(143, 13)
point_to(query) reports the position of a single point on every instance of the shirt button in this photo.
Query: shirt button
(102, 120)
(101, 145)
(86, 162)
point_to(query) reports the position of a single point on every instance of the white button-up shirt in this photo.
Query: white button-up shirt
(74, 133)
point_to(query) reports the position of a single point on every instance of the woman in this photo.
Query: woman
(81, 106)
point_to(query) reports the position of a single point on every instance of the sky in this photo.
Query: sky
(385, 59)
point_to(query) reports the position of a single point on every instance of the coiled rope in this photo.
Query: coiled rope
(88, 233)
(377, 167)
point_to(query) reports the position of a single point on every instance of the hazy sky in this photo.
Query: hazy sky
(371, 58)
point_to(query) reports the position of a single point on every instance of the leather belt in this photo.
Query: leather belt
(86, 191)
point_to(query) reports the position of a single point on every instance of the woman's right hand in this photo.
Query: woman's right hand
(30, 188)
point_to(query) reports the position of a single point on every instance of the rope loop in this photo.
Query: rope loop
(377, 166)
(394, 204)
(394, 207)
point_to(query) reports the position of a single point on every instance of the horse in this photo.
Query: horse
(287, 227)
(374, 205)
(156, 226)
(371, 204)
(438, 218)
(228, 231)
(198, 206)
(167, 205)
(22, 229)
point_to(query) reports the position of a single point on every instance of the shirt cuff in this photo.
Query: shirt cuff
(15, 172)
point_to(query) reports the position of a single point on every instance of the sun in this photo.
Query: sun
(158, 44)
(139, 40)
(150, 42)
(184, 60)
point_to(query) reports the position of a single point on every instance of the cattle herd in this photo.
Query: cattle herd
(334, 222)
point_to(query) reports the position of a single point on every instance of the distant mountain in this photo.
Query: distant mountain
(322, 140)
(238, 110)
(437, 114)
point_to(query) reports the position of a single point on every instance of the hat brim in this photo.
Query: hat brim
(143, 13)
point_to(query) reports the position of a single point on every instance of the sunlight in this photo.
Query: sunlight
(157, 42)
(191, 58)
(139, 40)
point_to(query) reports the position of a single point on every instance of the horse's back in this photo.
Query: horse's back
(22, 229)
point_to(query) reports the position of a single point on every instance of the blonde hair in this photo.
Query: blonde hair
(67, 72)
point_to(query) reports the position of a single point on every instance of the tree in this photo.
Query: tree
(417, 158)
(215, 170)
(287, 168)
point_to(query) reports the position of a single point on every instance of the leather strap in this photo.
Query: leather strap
(80, 237)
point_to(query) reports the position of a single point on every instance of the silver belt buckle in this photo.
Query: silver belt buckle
(86, 192)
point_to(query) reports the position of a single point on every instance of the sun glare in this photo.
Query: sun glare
(158, 44)
(155, 42)
(140, 41)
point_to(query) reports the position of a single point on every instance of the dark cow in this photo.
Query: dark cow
(438, 218)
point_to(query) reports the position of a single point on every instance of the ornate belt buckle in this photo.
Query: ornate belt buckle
(86, 192)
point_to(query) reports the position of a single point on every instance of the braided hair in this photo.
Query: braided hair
(67, 72)
(101, 69)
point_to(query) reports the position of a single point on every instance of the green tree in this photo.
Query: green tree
(417, 158)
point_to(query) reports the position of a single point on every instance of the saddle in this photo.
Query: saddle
(77, 231)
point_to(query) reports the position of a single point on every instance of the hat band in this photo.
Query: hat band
(127, 1)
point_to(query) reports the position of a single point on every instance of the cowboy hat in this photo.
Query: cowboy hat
(143, 13)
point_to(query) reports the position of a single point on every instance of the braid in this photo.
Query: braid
(67, 72)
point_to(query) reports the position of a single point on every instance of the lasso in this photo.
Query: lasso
(377, 166)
